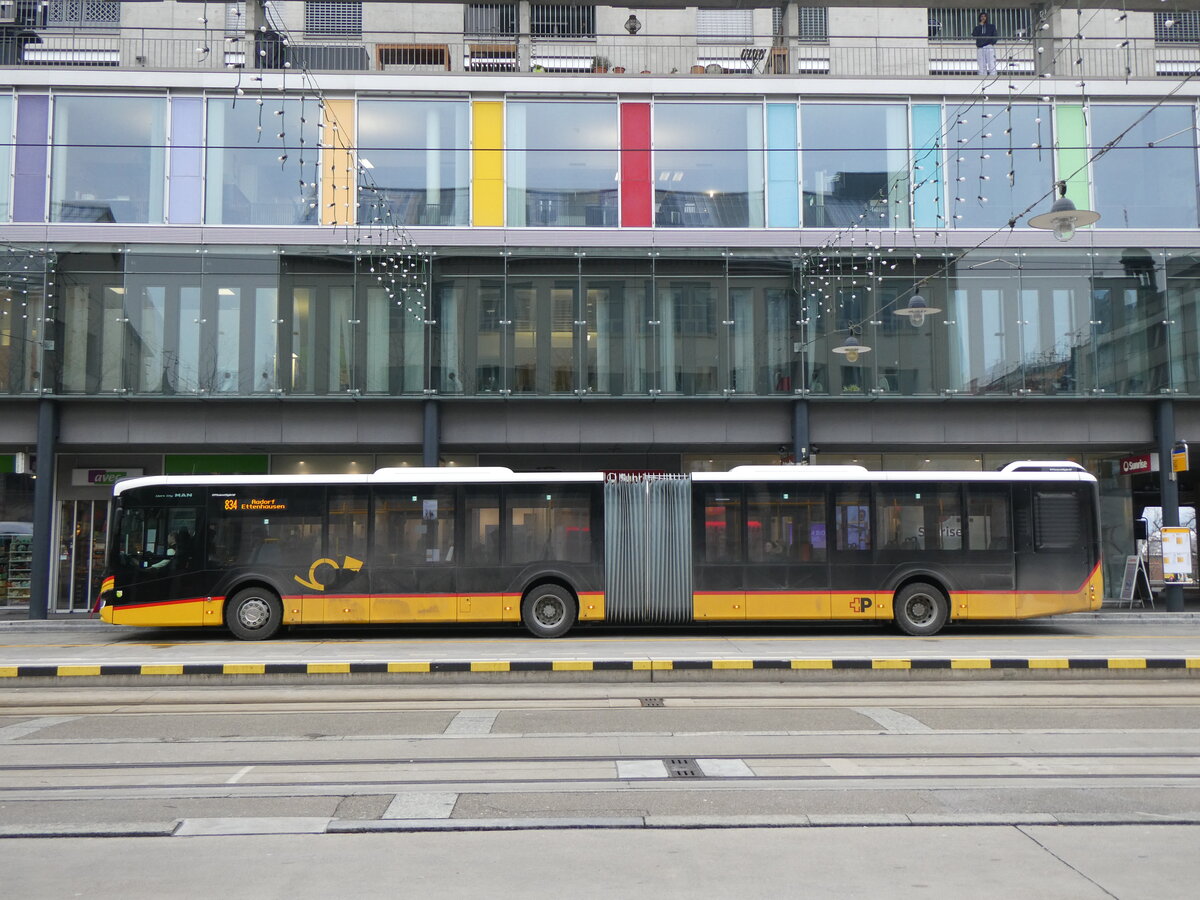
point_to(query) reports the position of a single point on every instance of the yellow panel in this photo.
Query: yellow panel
(733, 664)
(1127, 663)
(408, 667)
(487, 157)
(970, 663)
(188, 612)
(591, 606)
(990, 605)
(480, 608)
(656, 665)
(8, 671)
(1049, 664)
(719, 605)
(812, 663)
(355, 610)
(243, 668)
(1043, 603)
(339, 175)
(891, 664)
(860, 605)
(329, 668)
(414, 608)
(1192, 663)
(312, 609)
(490, 666)
(787, 605)
(572, 665)
(162, 670)
(106, 614)
(214, 612)
(68, 671)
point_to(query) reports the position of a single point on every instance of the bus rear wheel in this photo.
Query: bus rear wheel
(549, 611)
(920, 609)
(254, 614)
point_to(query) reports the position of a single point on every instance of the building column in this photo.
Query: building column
(1164, 426)
(801, 438)
(432, 438)
(43, 511)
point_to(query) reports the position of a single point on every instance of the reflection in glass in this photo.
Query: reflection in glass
(6, 127)
(561, 164)
(108, 159)
(1139, 186)
(709, 165)
(254, 176)
(1000, 162)
(415, 162)
(855, 164)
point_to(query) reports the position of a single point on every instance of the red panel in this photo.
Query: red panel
(637, 199)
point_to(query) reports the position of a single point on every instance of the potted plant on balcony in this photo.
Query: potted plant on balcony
(599, 63)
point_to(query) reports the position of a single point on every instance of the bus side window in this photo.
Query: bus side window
(414, 526)
(988, 518)
(723, 525)
(852, 518)
(482, 527)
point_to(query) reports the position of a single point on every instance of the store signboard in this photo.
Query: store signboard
(102, 477)
(1140, 464)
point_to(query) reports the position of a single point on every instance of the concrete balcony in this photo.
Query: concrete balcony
(839, 56)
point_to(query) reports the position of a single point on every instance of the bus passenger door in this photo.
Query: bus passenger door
(718, 554)
(347, 599)
(853, 578)
(160, 561)
(787, 572)
(412, 556)
(1055, 537)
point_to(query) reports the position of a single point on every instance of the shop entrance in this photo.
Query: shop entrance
(82, 527)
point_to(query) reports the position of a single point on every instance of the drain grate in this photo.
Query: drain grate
(682, 767)
(652, 701)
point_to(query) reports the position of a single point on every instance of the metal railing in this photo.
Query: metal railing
(429, 52)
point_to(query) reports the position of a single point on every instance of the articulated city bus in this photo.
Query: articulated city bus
(758, 543)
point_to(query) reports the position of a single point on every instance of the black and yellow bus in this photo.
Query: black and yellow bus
(757, 543)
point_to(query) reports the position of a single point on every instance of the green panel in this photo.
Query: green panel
(1071, 154)
(8, 464)
(215, 464)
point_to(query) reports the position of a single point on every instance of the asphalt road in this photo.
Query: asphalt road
(1064, 789)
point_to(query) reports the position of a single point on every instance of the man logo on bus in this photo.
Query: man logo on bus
(861, 604)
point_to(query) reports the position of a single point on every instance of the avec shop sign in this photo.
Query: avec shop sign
(81, 477)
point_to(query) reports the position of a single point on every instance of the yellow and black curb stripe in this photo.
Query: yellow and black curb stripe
(496, 667)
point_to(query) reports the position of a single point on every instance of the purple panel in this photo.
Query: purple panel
(29, 185)
(187, 155)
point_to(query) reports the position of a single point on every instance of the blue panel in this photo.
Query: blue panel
(929, 180)
(783, 174)
(187, 134)
(29, 177)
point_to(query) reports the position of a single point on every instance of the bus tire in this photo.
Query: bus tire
(920, 609)
(549, 611)
(254, 614)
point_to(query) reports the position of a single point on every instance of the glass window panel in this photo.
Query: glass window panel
(988, 518)
(549, 525)
(414, 526)
(709, 165)
(617, 298)
(1132, 342)
(108, 159)
(238, 535)
(1183, 288)
(852, 518)
(482, 508)
(918, 517)
(785, 523)
(1000, 162)
(348, 523)
(1139, 186)
(561, 165)
(722, 525)
(6, 128)
(690, 343)
(419, 162)
(255, 177)
(855, 164)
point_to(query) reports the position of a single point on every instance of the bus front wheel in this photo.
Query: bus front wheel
(254, 614)
(920, 609)
(548, 611)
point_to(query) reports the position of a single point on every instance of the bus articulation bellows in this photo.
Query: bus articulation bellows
(757, 543)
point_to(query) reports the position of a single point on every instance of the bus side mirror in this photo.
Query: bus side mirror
(1139, 530)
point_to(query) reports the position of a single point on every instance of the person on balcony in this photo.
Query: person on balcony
(985, 45)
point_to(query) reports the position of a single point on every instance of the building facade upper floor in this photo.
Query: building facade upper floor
(890, 40)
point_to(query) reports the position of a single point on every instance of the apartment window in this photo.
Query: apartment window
(957, 24)
(333, 17)
(1177, 27)
(491, 20)
(813, 23)
(558, 20)
(725, 26)
(84, 13)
